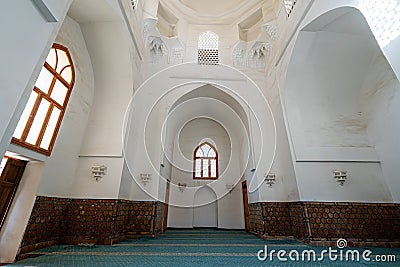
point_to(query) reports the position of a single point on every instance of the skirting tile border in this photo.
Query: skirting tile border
(322, 223)
(64, 221)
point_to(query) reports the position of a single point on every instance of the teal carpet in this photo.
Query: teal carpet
(198, 247)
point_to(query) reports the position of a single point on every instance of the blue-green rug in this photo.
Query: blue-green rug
(205, 247)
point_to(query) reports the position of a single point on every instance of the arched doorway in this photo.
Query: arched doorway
(205, 215)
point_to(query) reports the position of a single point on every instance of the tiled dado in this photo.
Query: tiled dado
(322, 223)
(94, 221)
(278, 219)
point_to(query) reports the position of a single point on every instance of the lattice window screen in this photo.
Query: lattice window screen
(208, 53)
(289, 5)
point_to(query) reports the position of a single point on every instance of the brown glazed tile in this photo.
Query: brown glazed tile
(74, 221)
(308, 221)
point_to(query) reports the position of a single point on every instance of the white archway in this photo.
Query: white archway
(206, 113)
(150, 106)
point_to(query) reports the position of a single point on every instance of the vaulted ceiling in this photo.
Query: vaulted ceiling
(215, 11)
(212, 7)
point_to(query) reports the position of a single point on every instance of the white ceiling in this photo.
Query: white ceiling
(212, 7)
(212, 92)
(215, 11)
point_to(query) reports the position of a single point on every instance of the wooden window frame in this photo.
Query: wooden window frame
(42, 95)
(209, 163)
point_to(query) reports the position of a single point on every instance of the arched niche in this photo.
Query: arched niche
(339, 87)
(205, 215)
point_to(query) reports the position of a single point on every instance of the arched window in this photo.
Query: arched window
(40, 121)
(205, 162)
(208, 49)
(208, 40)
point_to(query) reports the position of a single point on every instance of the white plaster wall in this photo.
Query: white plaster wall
(380, 102)
(322, 94)
(191, 135)
(21, 63)
(230, 206)
(60, 168)
(17, 218)
(231, 210)
(164, 176)
(126, 183)
(109, 50)
(182, 217)
(364, 182)
(85, 186)
(285, 187)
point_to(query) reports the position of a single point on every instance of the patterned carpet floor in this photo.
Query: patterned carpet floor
(198, 247)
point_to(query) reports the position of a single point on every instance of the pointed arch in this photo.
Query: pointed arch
(205, 162)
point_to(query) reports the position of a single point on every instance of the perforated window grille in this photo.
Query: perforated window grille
(208, 57)
(208, 53)
(289, 5)
(384, 19)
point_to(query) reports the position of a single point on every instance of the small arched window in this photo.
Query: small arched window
(41, 119)
(208, 48)
(205, 162)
